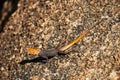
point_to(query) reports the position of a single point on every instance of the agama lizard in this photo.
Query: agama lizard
(54, 51)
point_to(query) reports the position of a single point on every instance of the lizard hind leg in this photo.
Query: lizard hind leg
(63, 42)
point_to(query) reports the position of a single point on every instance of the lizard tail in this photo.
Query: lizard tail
(74, 41)
(79, 37)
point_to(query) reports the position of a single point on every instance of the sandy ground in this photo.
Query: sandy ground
(44, 24)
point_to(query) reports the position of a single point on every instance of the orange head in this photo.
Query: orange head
(33, 51)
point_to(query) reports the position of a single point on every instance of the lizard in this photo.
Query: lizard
(49, 53)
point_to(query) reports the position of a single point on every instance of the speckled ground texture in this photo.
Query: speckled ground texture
(44, 24)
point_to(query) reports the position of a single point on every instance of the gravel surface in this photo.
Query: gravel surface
(44, 24)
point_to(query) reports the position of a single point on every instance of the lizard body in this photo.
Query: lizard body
(53, 52)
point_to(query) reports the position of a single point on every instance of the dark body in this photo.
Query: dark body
(49, 53)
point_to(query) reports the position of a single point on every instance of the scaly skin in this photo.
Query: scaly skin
(53, 52)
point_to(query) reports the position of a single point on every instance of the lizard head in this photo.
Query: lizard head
(33, 51)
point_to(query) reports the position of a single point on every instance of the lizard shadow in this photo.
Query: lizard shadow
(37, 59)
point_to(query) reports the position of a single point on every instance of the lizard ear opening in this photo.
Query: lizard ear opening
(33, 51)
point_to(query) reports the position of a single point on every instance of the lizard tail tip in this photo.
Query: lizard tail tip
(32, 51)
